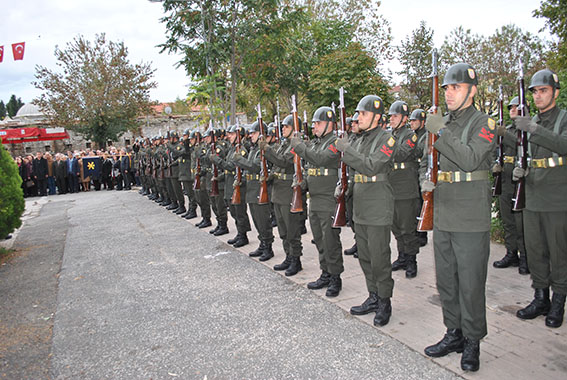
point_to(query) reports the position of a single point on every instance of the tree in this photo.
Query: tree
(352, 68)
(2, 110)
(555, 12)
(13, 105)
(98, 93)
(11, 195)
(415, 56)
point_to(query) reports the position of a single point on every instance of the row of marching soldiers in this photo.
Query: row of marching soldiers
(387, 163)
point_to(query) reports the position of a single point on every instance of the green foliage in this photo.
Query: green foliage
(98, 93)
(555, 13)
(2, 110)
(496, 225)
(11, 195)
(352, 69)
(562, 99)
(13, 105)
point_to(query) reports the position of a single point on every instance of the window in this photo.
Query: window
(126, 142)
(89, 145)
(28, 149)
(48, 148)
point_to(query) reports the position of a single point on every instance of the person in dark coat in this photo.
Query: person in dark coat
(40, 173)
(61, 173)
(106, 172)
(73, 172)
(125, 168)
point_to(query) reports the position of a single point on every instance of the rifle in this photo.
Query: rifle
(306, 129)
(278, 122)
(263, 194)
(522, 145)
(236, 196)
(197, 181)
(426, 216)
(339, 219)
(497, 185)
(214, 182)
(296, 198)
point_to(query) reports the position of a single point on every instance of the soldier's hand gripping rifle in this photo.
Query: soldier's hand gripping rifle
(197, 180)
(214, 181)
(497, 185)
(236, 192)
(263, 194)
(296, 198)
(425, 220)
(339, 219)
(522, 145)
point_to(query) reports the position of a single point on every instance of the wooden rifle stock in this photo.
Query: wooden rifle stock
(236, 196)
(339, 218)
(519, 198)
(425, 220)
(214, 182)
(296, 198)
(263, 195)
(497, 185)
(197, 180)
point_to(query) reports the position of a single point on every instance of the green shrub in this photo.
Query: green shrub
(11, 195)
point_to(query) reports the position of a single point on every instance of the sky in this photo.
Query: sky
(44, 24)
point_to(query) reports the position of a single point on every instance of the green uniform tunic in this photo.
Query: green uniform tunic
(185, 175)
(545, 215)
(462, 219)
(175, 155)
(371, 160)
(217, 201)
(201, 194)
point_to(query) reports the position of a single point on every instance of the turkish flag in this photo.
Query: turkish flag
(18, 51)
(1, 53)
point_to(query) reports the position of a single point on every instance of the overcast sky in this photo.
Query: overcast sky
(43, 24)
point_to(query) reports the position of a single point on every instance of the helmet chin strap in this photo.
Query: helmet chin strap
(465, 100)
(325, 130)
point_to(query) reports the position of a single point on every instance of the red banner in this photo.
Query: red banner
(1, 53)
(21, 135)
(18, 51)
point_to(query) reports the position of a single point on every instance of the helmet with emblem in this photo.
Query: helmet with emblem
(460, 73)
(371, 103)
(288, 120)
(271, 131)
(187, 132)
(545, 77)
(399, 107)
(255, 127)
(208, 132)
(173, 135)
(195, 134)
(324, 114)
(418, 114)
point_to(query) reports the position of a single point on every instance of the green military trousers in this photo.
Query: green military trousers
(328, 241)
(262, 222)
(289, 228)
(404, 225)
(374, 255)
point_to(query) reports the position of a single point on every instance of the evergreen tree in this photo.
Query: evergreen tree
(11, 195)
(2, 110)
(14, 105)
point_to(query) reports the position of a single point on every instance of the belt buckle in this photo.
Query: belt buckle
(560, 161)
(550, 162)
(468, 176)
(457, 176)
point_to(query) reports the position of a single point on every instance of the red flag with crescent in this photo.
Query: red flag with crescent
(1, 53)
(18, 51)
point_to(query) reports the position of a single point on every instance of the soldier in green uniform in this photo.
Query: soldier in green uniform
(404, 182)
(545, 214)
(249, 160)
(237, 211)
(288, 223)
(353, 135)
(162, 158)
(168, 172)
(217, 200)
(322, 161)
(175, 151)
(462, 206)
(511, 220)
(185, 175)
(371, 160)
(417, 124)
(201, 195)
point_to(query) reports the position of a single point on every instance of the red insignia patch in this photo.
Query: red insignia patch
(333, 148)
(410, 143)
(292, 150)
(486, 135)
(387, 151)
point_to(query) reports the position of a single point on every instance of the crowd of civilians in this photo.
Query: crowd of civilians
(50, 174)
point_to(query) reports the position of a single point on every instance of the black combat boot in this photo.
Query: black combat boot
(523, 267)
(368, 306)
(321, 282)
(172, 206)
(555, 316)
(470, 361)
(180, 210)
(400, 263)
(268, 253)
(205, 223)
(259, 251)
(539, 306)
(294, 266)
(351, 251)
(384, 312)
(411, 266)
(284, 264)
(234, 239)
(509, 260)
(453, 341)
(166, 203)
(422, 235)
(222, 229)
(303, 229)
(215, 229)
(190, 214)
(241, 241)
(335, 286)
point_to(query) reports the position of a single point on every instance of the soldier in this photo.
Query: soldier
(161, 155)
(322, 162)
(249, 160)
(512, 220)
(217, 197)
(371, 160)
(199, 184)
(185, 175)
(237, 211)
(405, 184)
(462, 205)
(288, 223)
(417, 124)
(175, 151)
(545, 214)
(353, 134)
